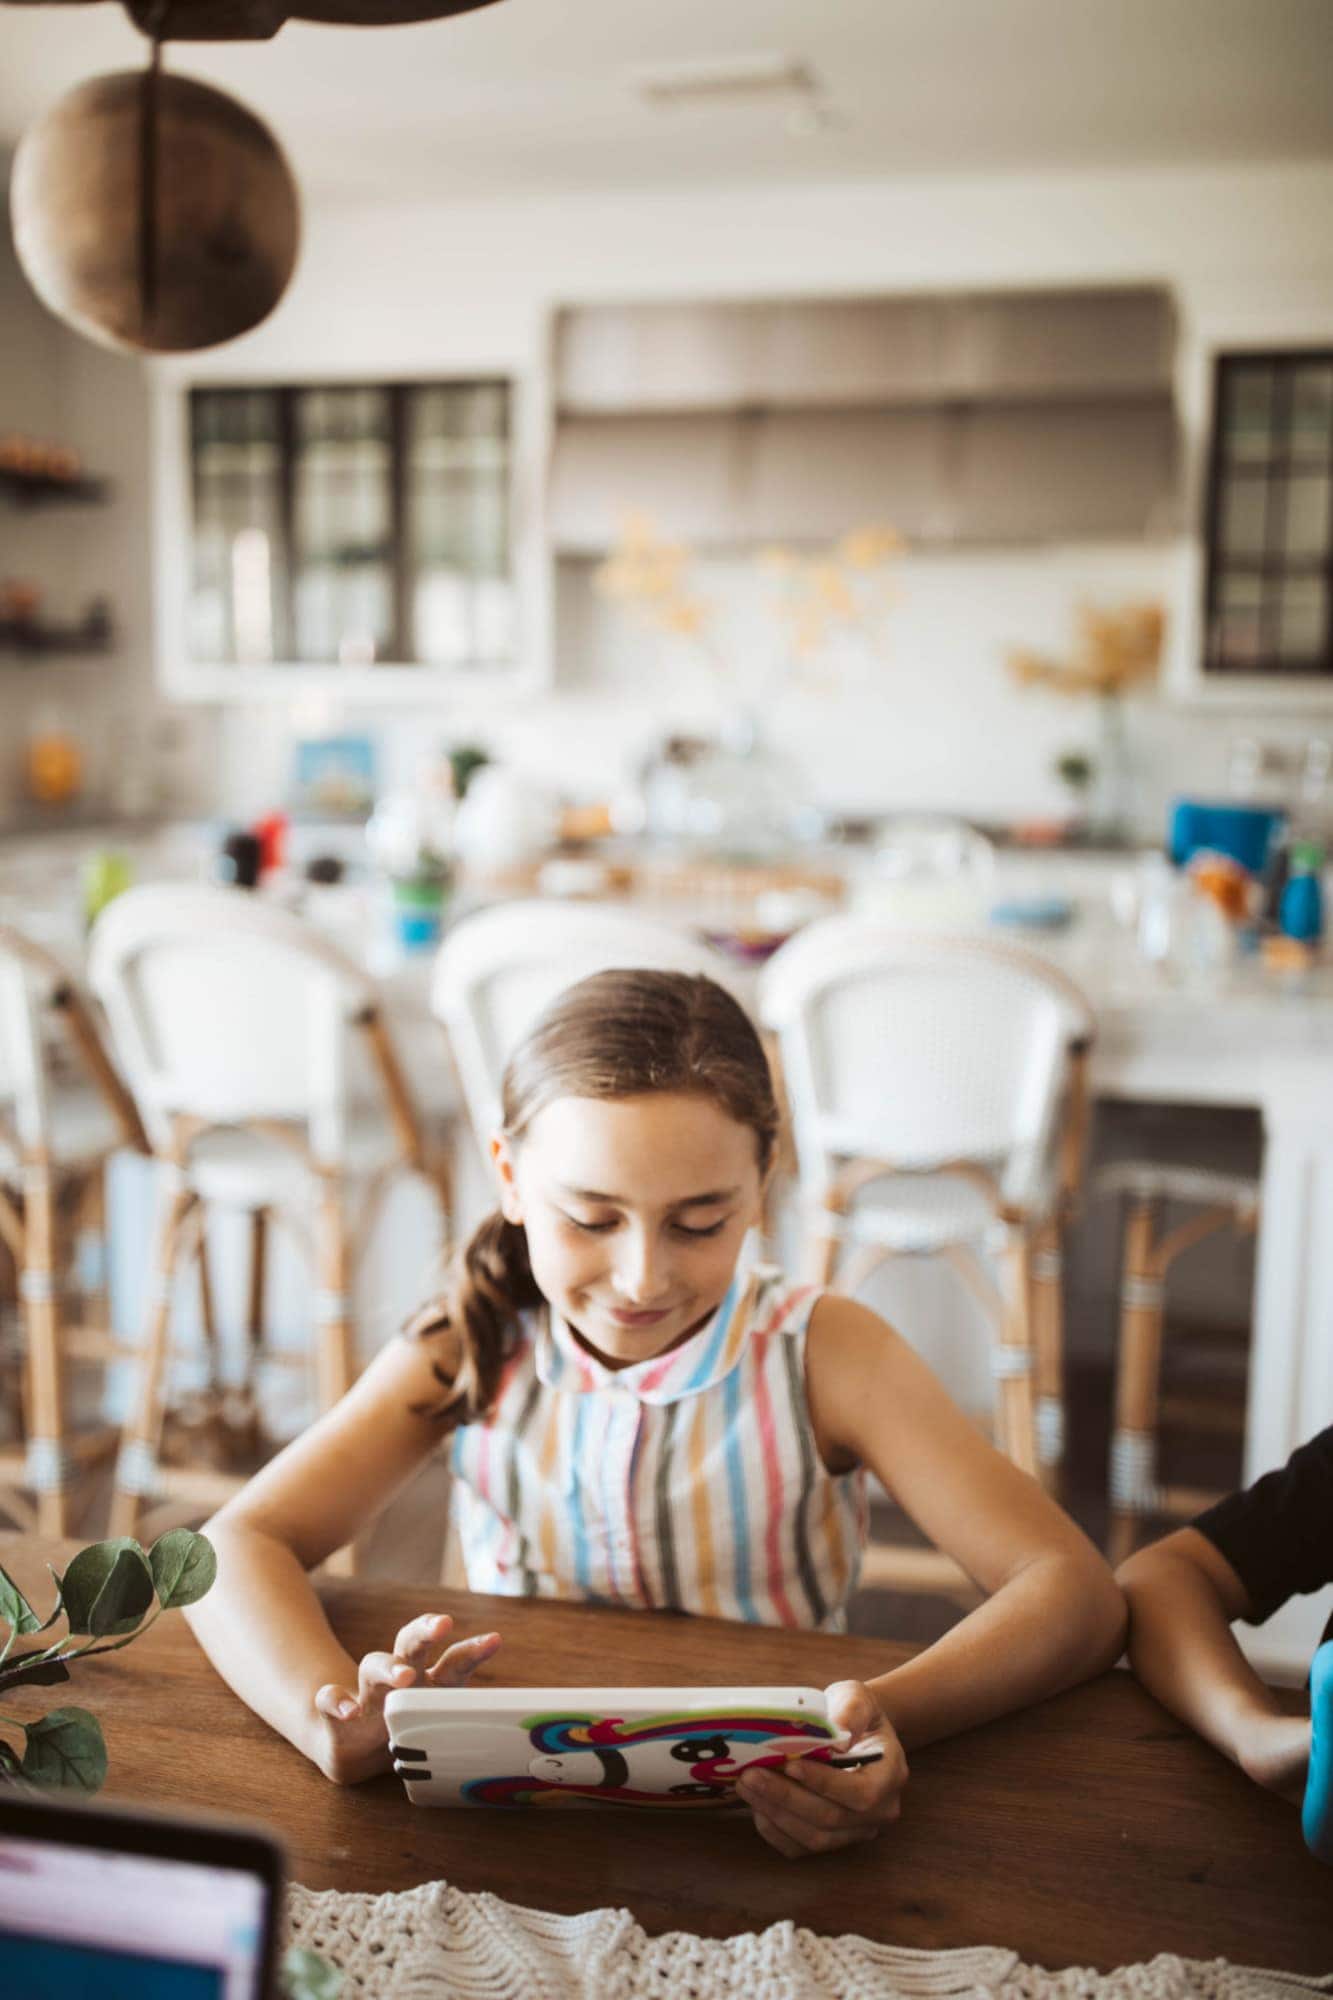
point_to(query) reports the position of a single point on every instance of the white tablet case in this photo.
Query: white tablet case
(673, 1747)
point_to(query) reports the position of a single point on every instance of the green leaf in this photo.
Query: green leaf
(124, 1597)
(15, 1609)
(10, 1763)
(65, 1748)
(88, 1575)
(307, 1976)
(184, 1566)
(41, 1673)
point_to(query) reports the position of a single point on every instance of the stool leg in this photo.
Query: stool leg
(207, 1310)
(1011, 1361)
(334, 1362)
(1048, 1340)
(819, 1258)
(136, 1465)
(91, 1252)
(46, 1469)
(254, 1318)
(1133, 1471)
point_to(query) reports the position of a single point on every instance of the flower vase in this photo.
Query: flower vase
(418, 910)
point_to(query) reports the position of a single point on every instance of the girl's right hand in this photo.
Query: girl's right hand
(351, 1737)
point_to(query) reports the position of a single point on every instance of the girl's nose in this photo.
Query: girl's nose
(641, 1276)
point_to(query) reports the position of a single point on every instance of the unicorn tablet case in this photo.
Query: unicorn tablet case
(681, 1748)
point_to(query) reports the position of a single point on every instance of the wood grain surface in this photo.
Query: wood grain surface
(1091, 1830)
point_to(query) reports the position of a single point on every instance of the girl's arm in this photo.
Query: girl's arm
(262, 1624)
(1053, 1613)
(1183, 1595)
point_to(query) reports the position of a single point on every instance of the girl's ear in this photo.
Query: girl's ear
(502, 1159)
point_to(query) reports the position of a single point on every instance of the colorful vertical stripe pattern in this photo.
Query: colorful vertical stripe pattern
(690, 1482)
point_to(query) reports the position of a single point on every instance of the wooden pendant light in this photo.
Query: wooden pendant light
(154, 213)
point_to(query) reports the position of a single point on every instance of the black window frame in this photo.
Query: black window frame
(1274, 566)
(401, 640)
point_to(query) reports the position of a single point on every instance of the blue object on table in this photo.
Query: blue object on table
(1317, 1812)
(1033, 913)
(1300, 913)
(1246, 833)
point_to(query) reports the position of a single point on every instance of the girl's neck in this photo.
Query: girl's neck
(615, 1363)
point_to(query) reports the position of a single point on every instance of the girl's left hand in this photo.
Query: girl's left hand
(808, 1808)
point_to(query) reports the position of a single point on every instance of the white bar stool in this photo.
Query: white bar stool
(1224, 1201)
(938, 1091)
(63, 1112)
(268, 1084)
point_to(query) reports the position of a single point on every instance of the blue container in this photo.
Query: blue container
(1317, 1811)
(1247, 833)
(1300, 914)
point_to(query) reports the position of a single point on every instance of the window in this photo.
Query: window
(1269, 607)
(352, 524)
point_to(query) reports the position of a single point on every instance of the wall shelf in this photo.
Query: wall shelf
(35, 489)
(30, 641)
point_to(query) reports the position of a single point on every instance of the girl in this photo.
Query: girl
(1244, 1558)
(637, 1421)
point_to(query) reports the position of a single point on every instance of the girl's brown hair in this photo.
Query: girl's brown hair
(618, 1034)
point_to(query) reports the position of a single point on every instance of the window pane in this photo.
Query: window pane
(1237, 638)
(1301, 620)
(236, 582)
(1310, 414)
(458, 512)
(1249, 410)
(1244, 500)
(1307, 522)
(342, 525)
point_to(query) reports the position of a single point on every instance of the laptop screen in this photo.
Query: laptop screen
(89, 1905)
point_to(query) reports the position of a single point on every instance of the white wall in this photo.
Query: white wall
(61, 389)
(435, 286)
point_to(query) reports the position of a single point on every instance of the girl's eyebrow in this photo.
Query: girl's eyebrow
(710, 1200)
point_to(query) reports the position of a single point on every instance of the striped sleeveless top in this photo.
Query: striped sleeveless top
(688, 1482)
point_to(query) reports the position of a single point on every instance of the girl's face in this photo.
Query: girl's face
(635, 1210)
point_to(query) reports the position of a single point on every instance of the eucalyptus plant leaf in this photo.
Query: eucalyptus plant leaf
(307, 1976)
(59, 1604)
(41, 1673)
(88, 1575)
(184, 1566)
(10, 1762)
(65, 1748)
(15, 1609)
(124, 1597)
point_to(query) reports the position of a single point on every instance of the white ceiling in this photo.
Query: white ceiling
(536, 94)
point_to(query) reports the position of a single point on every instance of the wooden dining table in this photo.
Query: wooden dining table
(1091, 1830)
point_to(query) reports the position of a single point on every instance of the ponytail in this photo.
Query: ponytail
(490, 1284)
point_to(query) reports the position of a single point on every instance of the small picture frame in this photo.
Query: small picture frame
(333, 777)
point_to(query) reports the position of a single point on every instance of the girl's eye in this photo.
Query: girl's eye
(713, 1229)
(589, 1228)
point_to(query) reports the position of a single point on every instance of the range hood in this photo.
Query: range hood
(962, 419)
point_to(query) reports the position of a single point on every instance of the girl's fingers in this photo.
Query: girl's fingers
(773, 1834)
(338, 1704)
(461, 1660)
(794, 1837)
(423, 1636)
(379, 1673)
(776, 1797)
(875, 1789)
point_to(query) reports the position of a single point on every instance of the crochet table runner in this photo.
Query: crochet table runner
(438, 1943)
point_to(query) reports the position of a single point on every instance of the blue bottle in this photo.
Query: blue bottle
(1301, 911)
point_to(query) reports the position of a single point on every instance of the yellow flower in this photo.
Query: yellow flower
(869, 546)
